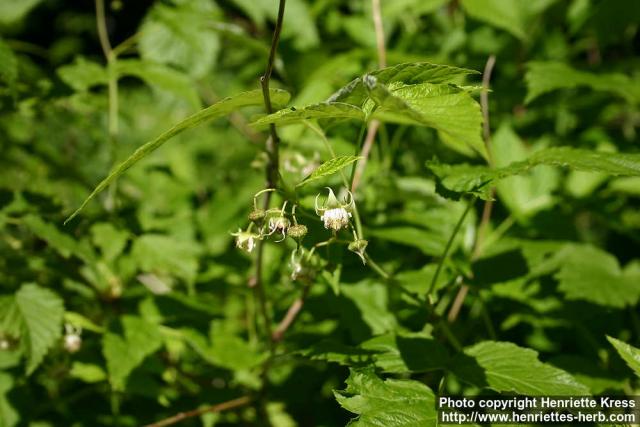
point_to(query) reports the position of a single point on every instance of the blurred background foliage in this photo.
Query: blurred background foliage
(150, 274)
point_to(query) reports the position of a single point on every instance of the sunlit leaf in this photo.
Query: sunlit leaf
(389, 402)
(629, 354)
(329, 168)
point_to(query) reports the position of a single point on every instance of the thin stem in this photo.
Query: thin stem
(376, 267)
(374, 124)
(488, 205)
(292, 314)
(271, 172)
(102, 29)
(356, 214)
(220, 407)
(273, 141)
(445, 254)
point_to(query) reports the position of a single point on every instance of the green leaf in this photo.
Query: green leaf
(477, 180)
(35, 315)
(160, 77)
(166, 255)
(329, 168)
(406, 353)
(80, 321)
(509, 15)
(8, 65)
(392, 352)
(87, 372)
(408, 73)
(221, 108)
(450, 110)
(505, 367)
(629, 354)
(181, 34)
(387, 403)
(13, 11)
(124, 353)
(83, 74)
(523, 195)
(9, 417)
(323, 110)
(543, 77)
(593, 275)
(61, 242)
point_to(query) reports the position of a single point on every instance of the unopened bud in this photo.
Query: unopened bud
(257, 215)
(297, 231)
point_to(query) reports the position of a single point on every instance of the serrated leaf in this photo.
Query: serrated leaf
(329, 168)
(477, 180)
(629, 354)
(35, 315)
(505, 367)
(219, 109)
(543, 77)
(408, 73)
(323, 110)
(124, 353)
(593, 275)
(388, 403)
(448, 109)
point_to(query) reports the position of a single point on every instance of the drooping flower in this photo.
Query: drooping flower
(279, 224)
(245, 240)
(334, 214)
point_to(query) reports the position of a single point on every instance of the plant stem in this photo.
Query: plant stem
(292, 313)
(488, 205)
(272, 173)
(374, 124)
(110, 56)
(225, 406)
(445, 254)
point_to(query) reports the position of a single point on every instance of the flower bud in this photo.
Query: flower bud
(257, 215)
(358, 247)
(297, 231)
(245, 240)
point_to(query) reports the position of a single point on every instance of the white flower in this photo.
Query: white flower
(279, 224)
(336, 218)
(245, 240)
(72, 338)
(334, 214)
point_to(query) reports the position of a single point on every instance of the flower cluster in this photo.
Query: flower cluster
(335, 215)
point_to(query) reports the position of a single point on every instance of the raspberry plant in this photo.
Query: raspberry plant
(358, 221)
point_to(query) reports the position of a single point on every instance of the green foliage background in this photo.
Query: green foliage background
(148, 274)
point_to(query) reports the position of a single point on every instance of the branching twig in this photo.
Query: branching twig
(225, 406)
(375, 124)
(488, 205)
